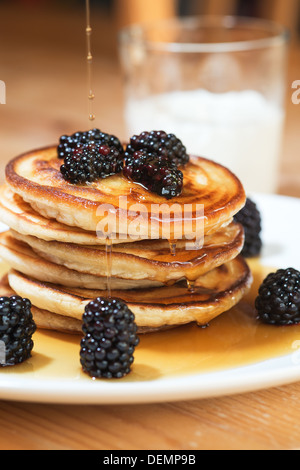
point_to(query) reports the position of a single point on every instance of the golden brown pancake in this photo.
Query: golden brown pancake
(20, 216)
(42, 318)
(46, 320)
(36, 177)
(215, 293)
(5, 289)
(20, 256)
(57, 257)
(144, 260)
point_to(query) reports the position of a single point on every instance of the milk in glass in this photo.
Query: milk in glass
(241, 130)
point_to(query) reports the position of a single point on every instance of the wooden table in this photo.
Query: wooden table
(43, 65)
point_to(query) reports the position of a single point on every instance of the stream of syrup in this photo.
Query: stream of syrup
(108, 265)
(88, 31)
(173, 245)
(91, 97)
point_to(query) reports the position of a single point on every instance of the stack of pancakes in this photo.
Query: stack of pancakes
(61, 261)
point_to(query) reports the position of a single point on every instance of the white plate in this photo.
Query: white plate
(48, 377)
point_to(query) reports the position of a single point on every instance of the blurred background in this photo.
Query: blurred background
(43, 63)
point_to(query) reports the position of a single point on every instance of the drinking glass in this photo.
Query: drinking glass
(217, 83)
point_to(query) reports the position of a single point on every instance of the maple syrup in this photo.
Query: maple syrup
(89, 31)
(108, 247)
(173, 245)
(234, 339)
(190, 285)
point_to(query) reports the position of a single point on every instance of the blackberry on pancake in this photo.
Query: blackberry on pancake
(69, 142)
(157, 173)
(88, 162)
(163, 144)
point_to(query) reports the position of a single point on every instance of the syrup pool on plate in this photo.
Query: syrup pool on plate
(234, 339)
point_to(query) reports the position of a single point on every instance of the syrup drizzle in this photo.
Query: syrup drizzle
(190, 286)
(88, 31)
(91, 97)
(173, 246)
(109, 265)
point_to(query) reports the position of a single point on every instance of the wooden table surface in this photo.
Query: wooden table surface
(42, 61)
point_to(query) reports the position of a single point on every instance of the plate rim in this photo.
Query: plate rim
(197, 386)
(243, 379)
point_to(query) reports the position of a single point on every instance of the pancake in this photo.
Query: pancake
(42, 318)
(126, 207)
(5, 289)
(215, 293)
(20, 256)
(144, 260)
(19, 215)
(46, 320)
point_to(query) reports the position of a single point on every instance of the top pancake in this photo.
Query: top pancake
(36, 177)
(19, 216)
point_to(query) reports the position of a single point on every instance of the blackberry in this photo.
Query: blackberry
(250, 218)
(110, 338)
(278, 302)
(16, 329)
(157, 173)
(159, 142)
(67, 143)
(91, 161)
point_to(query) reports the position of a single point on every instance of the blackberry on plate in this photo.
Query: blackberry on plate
(278, 302)
(107, 349)
(16, 329)
(67, 143)
(159, 142)
(250, 218)
(88, 162)
(155, 172)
